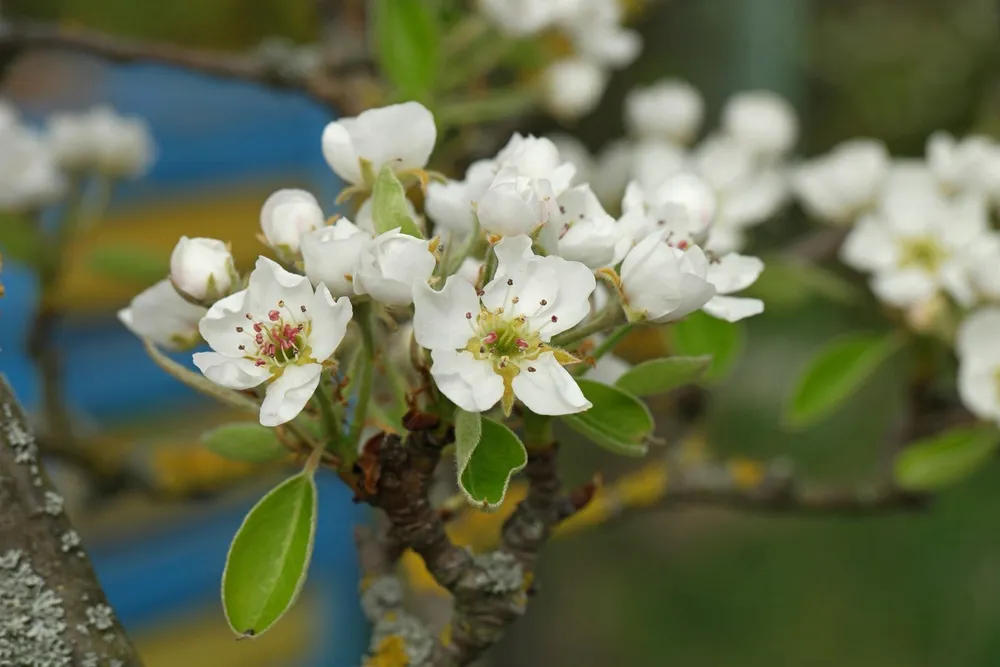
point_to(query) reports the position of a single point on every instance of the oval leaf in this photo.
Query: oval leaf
(657, 376)
(269, 557)
(699, 335)
(834, 374)
(485, 469)
(389, 207)
(946, 458)
(128, 263)
(618, 421)
(409, 45)
(244, 441)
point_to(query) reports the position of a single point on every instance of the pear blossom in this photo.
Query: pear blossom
(287, 215)
(683, 207)
(470, 270)
(612, 172)
(654, 161)
(29, 175)
(532, 157)
(280, 331)
(400, 134)
(330, 255)
(516, 204)
(594, 28)
(581, 230)
(575, 153)
(573, 87)
(915, 245)
(164, 317)
(390, 265)
(984, 266)
(102, 140)
(521, 18)
(493, 346)
(729, 274)
(202, 268)
(844, 183)
(969, 165)
(660, 283)
(451, 205)
(670, 110)
(978, 346)
(762, 121)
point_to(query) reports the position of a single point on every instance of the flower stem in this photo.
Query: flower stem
(609, 343)
(607, 318)
(363, 316)
(334, 432)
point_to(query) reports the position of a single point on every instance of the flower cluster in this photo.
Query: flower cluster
(574, 84)
(742, 162)
(502, 268)
(34, 164)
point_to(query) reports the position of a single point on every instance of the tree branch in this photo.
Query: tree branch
(54, 610)
(344, 89)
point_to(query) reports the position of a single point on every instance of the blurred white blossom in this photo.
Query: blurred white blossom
(670, 110)
(573, 87)
(844, 183)
(762, 121)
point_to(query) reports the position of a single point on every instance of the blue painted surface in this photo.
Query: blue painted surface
(208, 133)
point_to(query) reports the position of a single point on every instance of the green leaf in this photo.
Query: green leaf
(660, 375)
(244, 441)
(20, 240)
(946, 458)
(408, 43)
(128, 263)
(618, 421)
(269, 557)
(486, 463)
(700, 334)
(789, 284)
(835, 373)
(389, 207)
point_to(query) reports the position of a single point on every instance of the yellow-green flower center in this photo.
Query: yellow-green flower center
(923, 252)
(277, 341)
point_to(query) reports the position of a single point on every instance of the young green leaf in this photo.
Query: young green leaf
(699, 334)
(657, 376)
(128, 263)
(486, 463)
(244, 441)
(789, 284)
(945, 458)
(618, 421)
(834, 374)
(269, 557)
(389, 205)
(408, 42)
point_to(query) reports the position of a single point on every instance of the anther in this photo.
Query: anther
(274, 316)
(554, 318)
(480, 292)
(531, 369)
(302, 308)
(259, 363)
(510, 281)
(468, 316)
(490, 338)
(242, 347)
(543, 302)
(521, 343)
(239, 329)
(515, 299)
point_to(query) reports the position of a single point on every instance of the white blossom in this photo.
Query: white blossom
(762, 121)
(278, 330)
(330, 255)
(669, 109)
(573, 87)
(729, 274)
(289, 214)
(103, 140)
(917, 244)
(530, 156)
(581, 230)
(390, 265)
(162, 315)
(844, 183)
(969, 165)
(654, 161)
(595, 29)
(202, 268)
(978, 344)
(29, 175)
(661, 283)
(612, 172)
(401, 134)
(575, 153)
(521, 18)
(494, 347)
(516, 204)
(683, 207)
(470, 270)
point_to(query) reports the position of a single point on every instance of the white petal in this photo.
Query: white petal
(733, 309)
(228, 372)
(338, 149)
(329, 323)
(979, 334)
(219, 325)
(608, 369)
(691, 293)
(288, 214)
(575, 284)
(331, 254)
(287, 396)
(469, 383)
(904, 287)
(450, 207)
(403, 134)
(734, 272)
(271, 284)
(512, 252)
(869, 246)
(163, 316)
(978, 388)
(756, 200)
(549, 389)
(441, 320)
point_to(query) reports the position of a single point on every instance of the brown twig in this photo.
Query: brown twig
(55, 612)
(344, 89)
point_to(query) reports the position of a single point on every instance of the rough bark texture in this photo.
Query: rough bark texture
(53, 612)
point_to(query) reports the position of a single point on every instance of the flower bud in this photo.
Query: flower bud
(669, 110)
(515, 204)
(331, 255)
(762, 121)
(573, 87)
(202, 268)
(164, 317)
(287, 215)
(390, 265)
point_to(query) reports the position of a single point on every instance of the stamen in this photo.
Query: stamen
(239, 329)
(257, 327)
(531, 369)
(554, 318)
(543, 302)
(521, 343)
(468, 316)
(510, 282)
(302, 308)
(515, 299)
(259, 363)
(274, 316)
(490, 338)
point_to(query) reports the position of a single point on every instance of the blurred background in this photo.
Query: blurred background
(695, 587)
